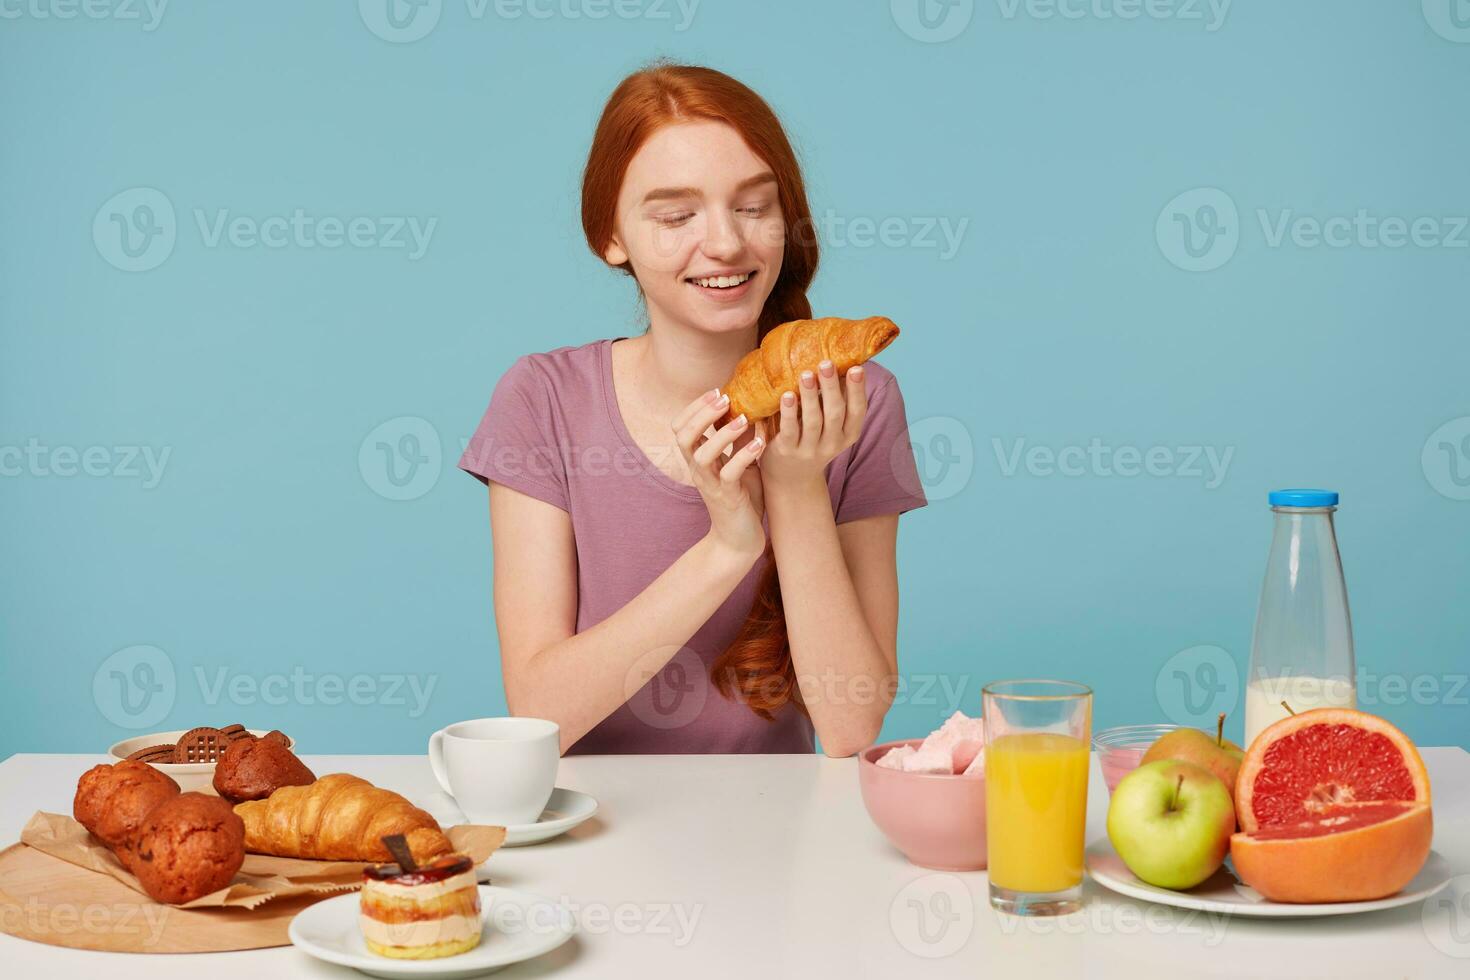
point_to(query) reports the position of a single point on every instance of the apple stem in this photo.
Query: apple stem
(1220, 732)
(1174, 803)
(1288, 709)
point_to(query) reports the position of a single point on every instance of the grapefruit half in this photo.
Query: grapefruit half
(1305, 767)
(1354, 852)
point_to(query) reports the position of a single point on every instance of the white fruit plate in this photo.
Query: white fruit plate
(1224, 892)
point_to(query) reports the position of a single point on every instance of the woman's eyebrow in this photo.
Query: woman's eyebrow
(665, 193)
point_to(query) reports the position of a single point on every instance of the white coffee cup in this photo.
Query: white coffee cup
(500, 771)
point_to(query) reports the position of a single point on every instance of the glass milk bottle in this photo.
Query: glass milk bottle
(1302, 648)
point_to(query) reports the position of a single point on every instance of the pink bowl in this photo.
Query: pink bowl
(936, 820)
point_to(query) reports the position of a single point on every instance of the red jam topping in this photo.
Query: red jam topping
(439, 869)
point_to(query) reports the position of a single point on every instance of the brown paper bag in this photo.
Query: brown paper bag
(260, 879)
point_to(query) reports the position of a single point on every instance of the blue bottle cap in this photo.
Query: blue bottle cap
(1303, 498)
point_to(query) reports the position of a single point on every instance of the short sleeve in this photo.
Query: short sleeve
(515, 443)
(881, 475)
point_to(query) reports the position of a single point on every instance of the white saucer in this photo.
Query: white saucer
(517, 926)
(564, 810)
(1223, 892)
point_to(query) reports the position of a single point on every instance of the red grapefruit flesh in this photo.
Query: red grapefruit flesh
(1352, 852)
(1306, 765)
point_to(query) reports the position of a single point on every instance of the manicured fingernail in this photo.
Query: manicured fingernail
(723, 400)
(788, 399)
(827, 369)
(808, 379)
(856, 374)
(757, 444)
(711, 395)
(740, 421)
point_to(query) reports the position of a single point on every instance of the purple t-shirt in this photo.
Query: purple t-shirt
(553, 430)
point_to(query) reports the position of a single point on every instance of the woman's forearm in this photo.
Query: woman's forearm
(579, 681)
(843, 672)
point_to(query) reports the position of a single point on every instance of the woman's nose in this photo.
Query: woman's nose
(722, 236)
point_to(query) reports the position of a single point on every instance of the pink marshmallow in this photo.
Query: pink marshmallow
(963, 738)
(955, 747)
(965, 728)
(893, 758)
(929, 759)
(966, 751)
(940, 740)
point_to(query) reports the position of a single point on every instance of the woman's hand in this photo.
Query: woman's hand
(731, 487)
(831, 416)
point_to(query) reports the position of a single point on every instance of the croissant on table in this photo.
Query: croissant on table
(340, 818)
(800, 345)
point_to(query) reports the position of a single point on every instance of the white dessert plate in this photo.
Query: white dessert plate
(564, 810)
(1224, 892)
(516, 927)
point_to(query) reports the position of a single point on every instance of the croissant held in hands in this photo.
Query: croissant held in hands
(797, 346)
(340, 818)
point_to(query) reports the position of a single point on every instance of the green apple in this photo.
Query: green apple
(1171, 822)
(1220, 756)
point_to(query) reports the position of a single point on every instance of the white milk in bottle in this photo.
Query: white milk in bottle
(1302, 647)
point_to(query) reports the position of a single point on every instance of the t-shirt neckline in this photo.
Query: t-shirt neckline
(615, 418)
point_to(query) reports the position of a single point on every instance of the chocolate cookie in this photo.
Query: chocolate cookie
(155, 753)
(201, 745)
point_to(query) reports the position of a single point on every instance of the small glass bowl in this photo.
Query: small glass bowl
(1119, 750)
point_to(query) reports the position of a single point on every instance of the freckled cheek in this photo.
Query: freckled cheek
(769, 240)
(665, 249)
(769, 246)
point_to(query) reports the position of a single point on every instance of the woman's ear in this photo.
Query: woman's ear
(615, 255)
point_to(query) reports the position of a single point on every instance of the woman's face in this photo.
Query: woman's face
(699, 220)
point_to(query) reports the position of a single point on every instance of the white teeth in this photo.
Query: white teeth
(722, 282)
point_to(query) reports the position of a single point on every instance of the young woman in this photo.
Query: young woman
(636, 545)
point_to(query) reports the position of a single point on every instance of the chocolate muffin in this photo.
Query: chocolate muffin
(188, 847)
(112, 801)
(254, 768)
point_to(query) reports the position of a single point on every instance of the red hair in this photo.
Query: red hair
(757, 667)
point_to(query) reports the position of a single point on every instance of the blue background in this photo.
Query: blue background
(267, 549)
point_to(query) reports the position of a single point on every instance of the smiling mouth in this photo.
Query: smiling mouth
(721, 282)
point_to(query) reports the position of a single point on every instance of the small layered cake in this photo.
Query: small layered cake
(431, 911)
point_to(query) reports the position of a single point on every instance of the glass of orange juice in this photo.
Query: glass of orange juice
(1036, 760)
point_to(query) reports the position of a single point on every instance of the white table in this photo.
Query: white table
(742, 866)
